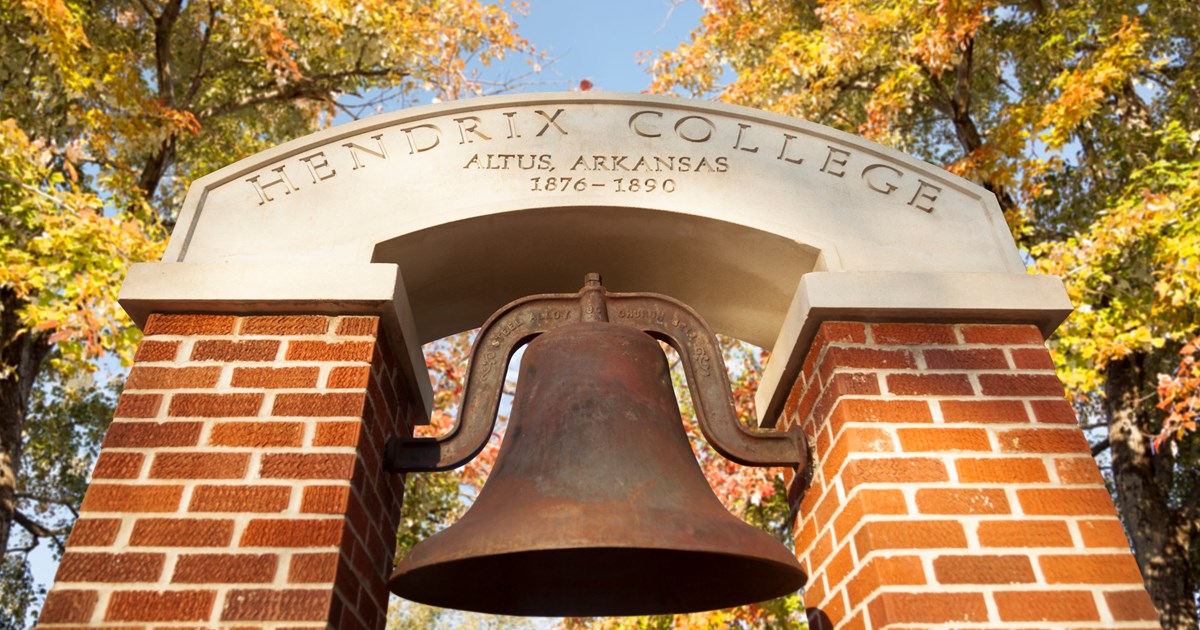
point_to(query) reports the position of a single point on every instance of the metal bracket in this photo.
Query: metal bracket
(659, 316)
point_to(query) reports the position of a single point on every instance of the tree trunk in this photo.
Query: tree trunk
(21, 353)
(1161, 534)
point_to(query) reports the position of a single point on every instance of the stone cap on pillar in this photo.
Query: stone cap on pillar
(956, 298)
(262, 288)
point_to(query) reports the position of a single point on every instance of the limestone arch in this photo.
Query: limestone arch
(436, 216)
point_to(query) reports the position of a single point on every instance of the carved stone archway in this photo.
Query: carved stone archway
(285, 322)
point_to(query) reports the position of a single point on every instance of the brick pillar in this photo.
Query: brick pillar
(240, 484)
(953, 486)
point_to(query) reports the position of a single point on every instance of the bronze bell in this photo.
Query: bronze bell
(595, 505)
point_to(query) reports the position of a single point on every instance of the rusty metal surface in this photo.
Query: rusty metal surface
(658, 315)
(595, 505)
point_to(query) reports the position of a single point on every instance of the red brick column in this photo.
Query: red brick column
(953, 486)
(241, 482)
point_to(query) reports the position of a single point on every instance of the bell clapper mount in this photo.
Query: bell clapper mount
(659, 316)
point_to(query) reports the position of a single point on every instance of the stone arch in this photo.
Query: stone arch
(478, 202)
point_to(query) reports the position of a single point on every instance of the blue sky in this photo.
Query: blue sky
(599, 41)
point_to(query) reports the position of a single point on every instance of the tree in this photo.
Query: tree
(108, 110)
(1084, 120)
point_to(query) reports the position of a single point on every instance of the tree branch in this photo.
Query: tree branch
(315, 87)
(1100, 447)
(201, 57)
(37, 529)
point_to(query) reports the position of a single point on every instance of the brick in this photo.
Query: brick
(885, 571)
(1024, 533)
(820, 551)
(1053, 411)
(107, 497)
(150, 351)
(866, 410)
(276, 605)
(879, 535)
(806, 526)
(842, 385)
(929, 385)
(892, 471)
(1134, 605)
(304, 350)
(965, 359)
(80, 566)
(311, 568)
(1046, 606)
(840, 566)
(1002, 470)
(116, 465)
(855, 440)
(276, 378)
(160, 605)
(257, 434)
(358, 326)
(307, 466)
(94, 532)
(284, 325)
(1078, 471)
(181, 532)
(1093, 568)
(1043, 440)
(962, 501)
(253, 499)
(983, 569)
(349, 377)
(1024, 385)
(1032, 359)
(199, 465)
(791, 415)
(983, 411)
(847, 332)
(835, 605)
(159, 324)
(837, 357)
(215, 405)
(943, 439)
(68, 606)
(138, 405)
(1001, 334)
(151, 434)
(337, 433)
(1102, 533)
(913, 334)
(323, 405)
(889, 609)
(225, 568)
(227, 350)
(325, 499)
(1066, 501)
(865, 503)
(292, 533)
(143, 377)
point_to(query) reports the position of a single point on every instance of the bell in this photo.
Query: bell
(595, 505)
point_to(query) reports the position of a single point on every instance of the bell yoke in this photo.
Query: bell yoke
(595, 505)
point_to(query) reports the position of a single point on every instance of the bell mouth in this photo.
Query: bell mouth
(588, 582)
